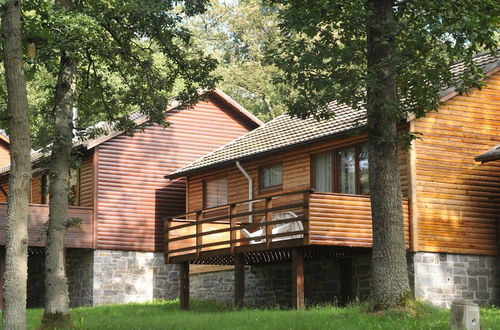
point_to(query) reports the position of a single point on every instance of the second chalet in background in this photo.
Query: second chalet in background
(121, 195)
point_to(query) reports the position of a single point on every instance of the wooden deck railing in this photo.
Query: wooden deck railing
(327, 219)
(38, 215)
(220, 227)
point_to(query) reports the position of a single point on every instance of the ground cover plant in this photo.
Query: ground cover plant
(207, 315)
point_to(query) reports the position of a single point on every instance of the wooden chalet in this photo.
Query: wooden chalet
(294, 189)
(119, 191)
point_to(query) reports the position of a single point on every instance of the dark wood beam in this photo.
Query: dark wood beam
(298, 278)
(184, 286)
(239, 280)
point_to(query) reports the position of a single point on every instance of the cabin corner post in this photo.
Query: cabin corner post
(298, 278)
(412, 192)
(184, 286)
(239, 280)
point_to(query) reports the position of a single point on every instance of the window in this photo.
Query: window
(347, 171)
(323, 172)
(271, 176)
(344, 171)
(215, 192)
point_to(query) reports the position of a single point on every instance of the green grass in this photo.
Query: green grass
(205, 315)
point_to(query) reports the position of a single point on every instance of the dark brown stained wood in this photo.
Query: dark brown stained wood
(184, 285)
(239, 280)
(86, 181)
(344, 220)
(133, 195)
(38, 215)
(36, 190)
(298, 278)
(5, 188)
(458, 199)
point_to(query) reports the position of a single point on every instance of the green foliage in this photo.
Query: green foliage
(323, 51)
(207, 315)
(131, 55)
(238, 34)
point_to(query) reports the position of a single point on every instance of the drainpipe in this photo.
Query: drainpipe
(250, 189)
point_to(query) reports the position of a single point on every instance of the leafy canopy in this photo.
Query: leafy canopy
(323, 51)
(131, 55)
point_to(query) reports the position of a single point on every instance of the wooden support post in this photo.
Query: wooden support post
(199, 231)
(232, 224)
(184, 286)
(298, 278)
(345, 280)
(239, 280)
(268, 217)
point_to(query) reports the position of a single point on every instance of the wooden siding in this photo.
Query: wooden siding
(4, 153)
(36, 190)
(458, 199)
(345, 220)
(133, 195)
(38, 215)
(5, 186)
(86, 182)
(296, 172)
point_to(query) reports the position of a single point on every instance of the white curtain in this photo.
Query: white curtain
(323, 172)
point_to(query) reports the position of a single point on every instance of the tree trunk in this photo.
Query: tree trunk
(56, 313)
(16, 257)
(389, 265)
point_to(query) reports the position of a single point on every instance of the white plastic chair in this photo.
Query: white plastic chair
(277, 229)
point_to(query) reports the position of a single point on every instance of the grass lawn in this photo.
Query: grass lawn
(205, 315)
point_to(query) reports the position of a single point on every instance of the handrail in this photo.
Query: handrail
(231, 226)
(237, 215)
(240, 202)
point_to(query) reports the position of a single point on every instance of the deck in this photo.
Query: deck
(215, 235)
(38, 216)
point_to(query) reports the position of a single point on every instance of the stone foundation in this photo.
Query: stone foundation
(270, 285)
(441, 278)
(80, 271)
(121, 277)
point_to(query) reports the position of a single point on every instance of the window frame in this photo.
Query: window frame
(335, 175)
(274, 188)
(204, 193)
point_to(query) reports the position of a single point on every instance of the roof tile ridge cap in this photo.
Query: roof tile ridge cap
(225, 146)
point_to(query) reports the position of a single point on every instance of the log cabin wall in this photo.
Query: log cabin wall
(86, 181)
(296, 172)
(133, 195)
(458, 199)
(4, 153)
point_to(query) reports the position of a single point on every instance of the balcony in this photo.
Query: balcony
(38, 216)
(282, 221)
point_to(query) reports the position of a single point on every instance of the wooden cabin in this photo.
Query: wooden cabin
(120, 194)
(313, 177)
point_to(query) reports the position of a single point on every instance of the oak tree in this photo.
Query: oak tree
(392, 58)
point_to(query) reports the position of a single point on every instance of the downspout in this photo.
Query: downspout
(250, 190)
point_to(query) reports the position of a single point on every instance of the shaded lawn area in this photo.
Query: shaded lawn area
(206, 315)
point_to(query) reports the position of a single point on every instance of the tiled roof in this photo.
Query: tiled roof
(491, 154)
(280, 133)
(286, 132)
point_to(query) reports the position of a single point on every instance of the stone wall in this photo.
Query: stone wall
(80, 270)
(441, 278)
(126, 276)
(361, 277)
(270, 285)
(36, 271)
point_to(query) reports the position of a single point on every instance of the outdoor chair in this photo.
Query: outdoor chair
(278, 228)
